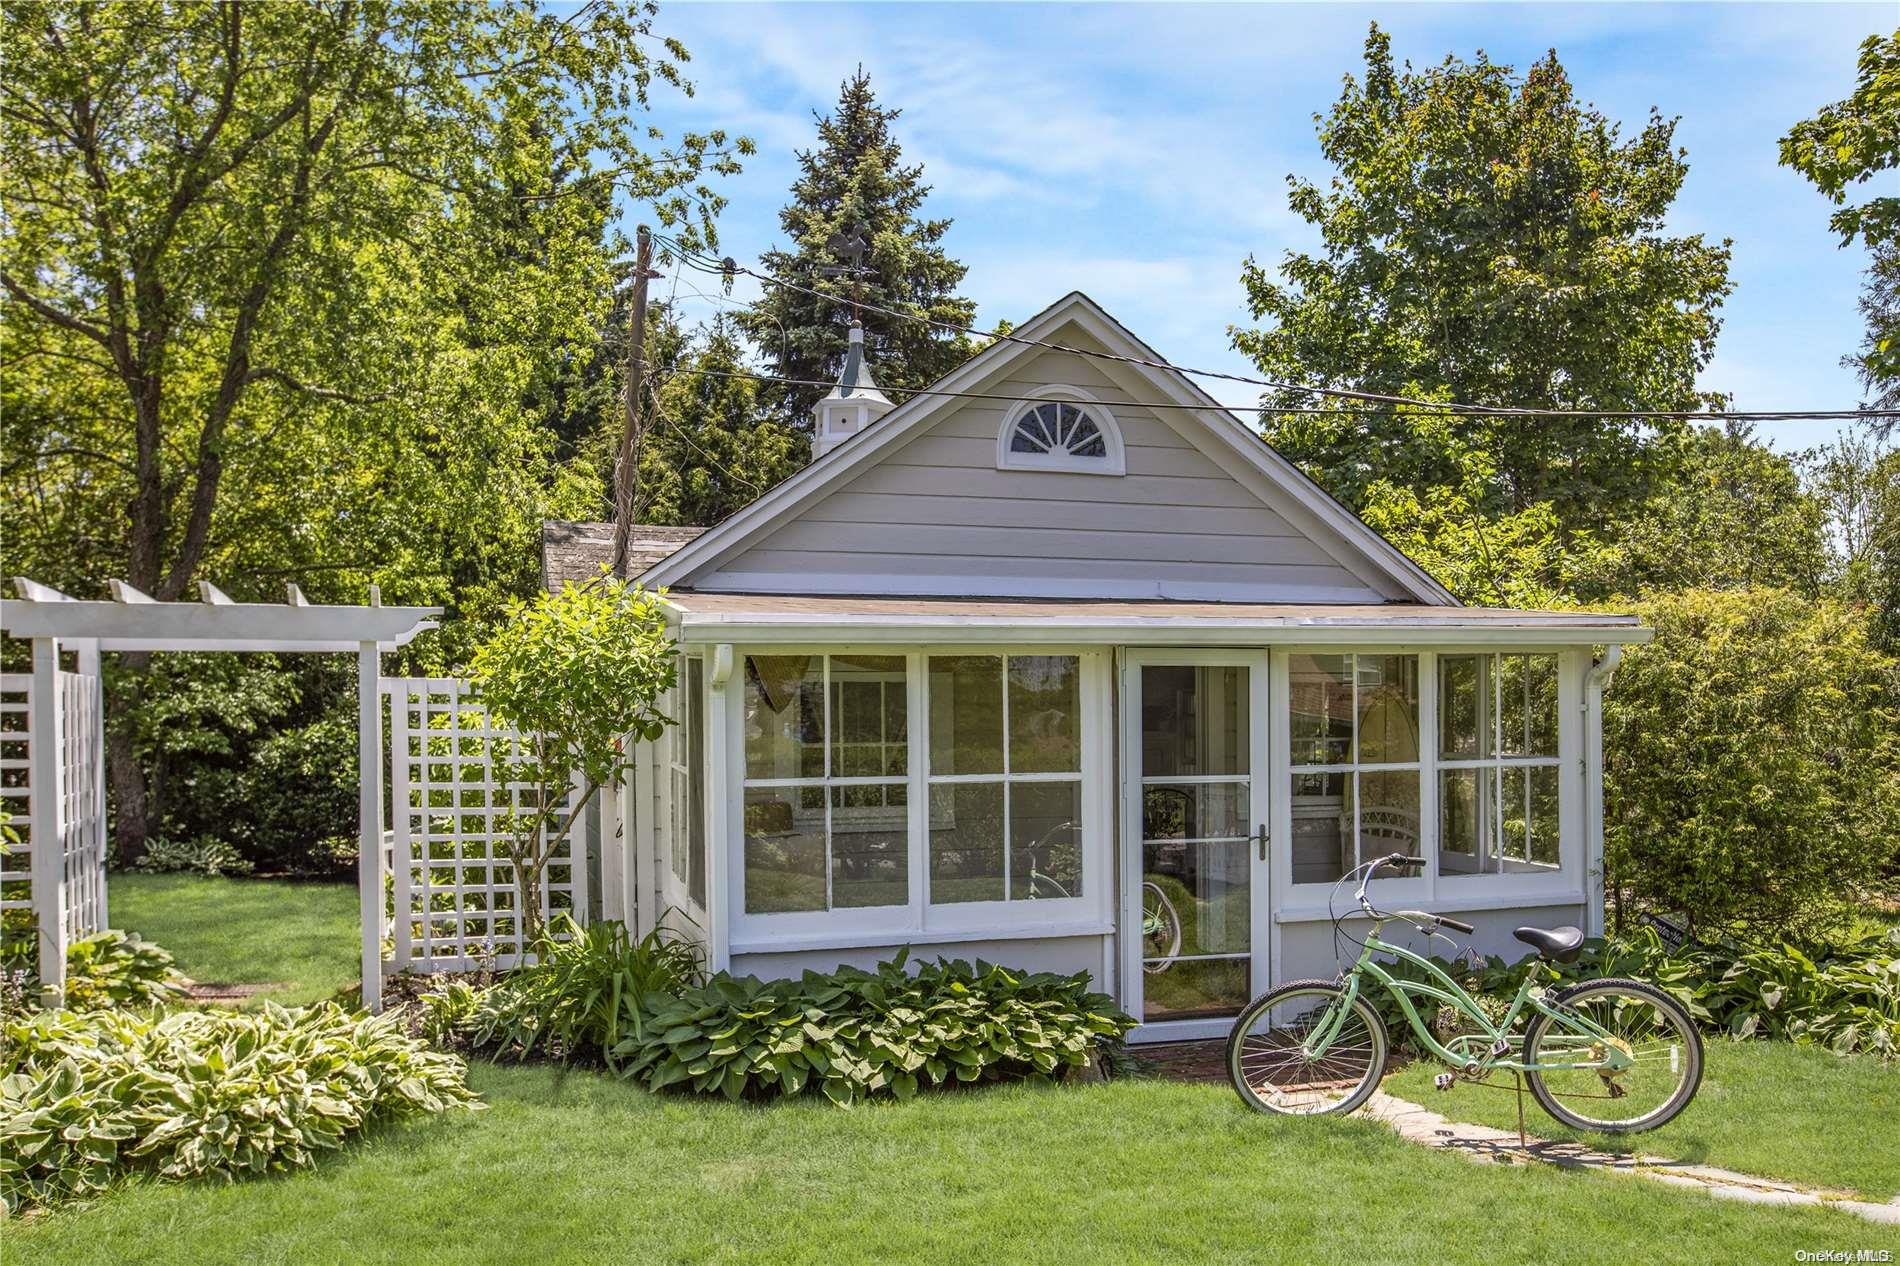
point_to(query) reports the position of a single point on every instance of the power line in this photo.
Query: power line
(727, 269)
(1425, 408)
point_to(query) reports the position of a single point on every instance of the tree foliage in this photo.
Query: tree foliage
(287, 286)
(1846, 145)
(855, 182)
(712, 448)
(1489, 240)
(578, 674)
(1752, 761)
(1737, 515)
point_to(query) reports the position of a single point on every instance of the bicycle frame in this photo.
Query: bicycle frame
(1579, 1034)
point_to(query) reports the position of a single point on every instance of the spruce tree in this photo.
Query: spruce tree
(854, 185)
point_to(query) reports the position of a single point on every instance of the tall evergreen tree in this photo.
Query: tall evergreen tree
(1490, 239)
(709, 448)
(854, 185)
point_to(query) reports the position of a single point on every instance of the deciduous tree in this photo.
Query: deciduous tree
(1489, 239)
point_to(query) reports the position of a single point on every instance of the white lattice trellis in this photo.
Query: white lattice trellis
(455, 892)
(16, 774)
(82, 817)
(72, 892)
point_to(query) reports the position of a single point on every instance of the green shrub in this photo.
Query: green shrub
(1752, 775)
(88, 1099)
(581, 997)
(856, 1034)
(107, 969)
(201, 855)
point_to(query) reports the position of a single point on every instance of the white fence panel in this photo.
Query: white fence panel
(16, 797)
(455, 895)
(82, 818)
(72, 893)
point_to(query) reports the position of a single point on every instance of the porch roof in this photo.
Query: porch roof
(790, 618)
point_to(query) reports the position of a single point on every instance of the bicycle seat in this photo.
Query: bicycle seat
(1559, 945)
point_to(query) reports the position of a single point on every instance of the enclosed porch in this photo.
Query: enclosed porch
(1162, 794)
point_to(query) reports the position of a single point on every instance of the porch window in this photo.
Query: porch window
(687, 829)
(827, 797)
(1355, 759)
(1005, 778)
(1498, 766)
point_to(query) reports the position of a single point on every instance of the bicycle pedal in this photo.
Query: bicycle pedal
(1444, 1081)
(1501, 1047)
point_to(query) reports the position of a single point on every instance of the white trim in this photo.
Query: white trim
(1319, 509)
(1521, 900)
(1112, 462)
(930, 936)
(1410, 633)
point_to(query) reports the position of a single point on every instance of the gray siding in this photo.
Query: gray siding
(936, 517)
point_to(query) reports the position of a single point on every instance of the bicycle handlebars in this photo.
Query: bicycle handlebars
(1401, 861)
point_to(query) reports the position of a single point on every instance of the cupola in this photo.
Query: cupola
(852, 405)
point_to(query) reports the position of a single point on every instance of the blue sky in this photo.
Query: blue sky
(1140, 152)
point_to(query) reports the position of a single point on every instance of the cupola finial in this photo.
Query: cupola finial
(852, 405)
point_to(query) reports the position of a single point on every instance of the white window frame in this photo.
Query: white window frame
(1566, 885)
(1500, 763)
(919, 922)
(1113, 461)
(1354, 768)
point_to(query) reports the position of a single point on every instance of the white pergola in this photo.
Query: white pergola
(134, 621)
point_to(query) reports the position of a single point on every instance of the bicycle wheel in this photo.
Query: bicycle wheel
(1644, 1022)
(1160, 930)
(1270, 1068)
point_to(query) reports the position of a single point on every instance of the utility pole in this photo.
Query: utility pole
(627, 461)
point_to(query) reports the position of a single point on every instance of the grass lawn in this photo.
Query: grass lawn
(583, 1168)
(300, 938)
(1766, 1108)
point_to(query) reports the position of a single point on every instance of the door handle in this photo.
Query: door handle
(1261, 836)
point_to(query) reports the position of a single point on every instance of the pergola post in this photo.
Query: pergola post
(369, 859)
(49, 860)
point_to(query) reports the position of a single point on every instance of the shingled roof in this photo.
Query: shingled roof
(577, 551)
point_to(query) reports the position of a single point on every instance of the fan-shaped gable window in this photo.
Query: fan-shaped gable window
(1067, 431)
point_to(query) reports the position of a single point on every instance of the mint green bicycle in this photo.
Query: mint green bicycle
(1609, 1055)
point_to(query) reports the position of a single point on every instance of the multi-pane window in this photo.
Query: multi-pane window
(1355, 757)
(827, 817)
(1498, 767)
(688, 807)
(1005, 777)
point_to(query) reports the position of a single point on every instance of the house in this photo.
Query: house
(1057, 664)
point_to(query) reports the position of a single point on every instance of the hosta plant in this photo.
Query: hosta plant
(855, 1034)
(87, 1099)
(106, 969)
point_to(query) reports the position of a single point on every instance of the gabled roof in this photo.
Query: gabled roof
(1252, 460)
(577, 551)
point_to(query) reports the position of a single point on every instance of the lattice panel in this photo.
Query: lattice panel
(82, 804)
(16, 751)
(455, 892)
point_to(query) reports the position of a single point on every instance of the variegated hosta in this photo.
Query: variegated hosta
(87, 1099)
